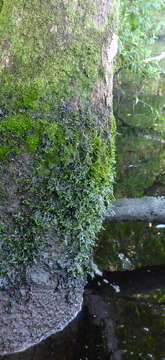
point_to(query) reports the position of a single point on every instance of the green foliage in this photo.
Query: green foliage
(140, 166)
(138, 28)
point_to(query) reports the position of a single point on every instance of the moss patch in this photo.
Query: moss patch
(70, 189)
(41, 46)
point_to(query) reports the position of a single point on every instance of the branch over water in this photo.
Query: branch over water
(148, 208)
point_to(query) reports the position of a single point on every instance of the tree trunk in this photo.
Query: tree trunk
(57, 156)
(148, 208)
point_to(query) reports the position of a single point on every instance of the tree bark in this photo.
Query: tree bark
(148, 208)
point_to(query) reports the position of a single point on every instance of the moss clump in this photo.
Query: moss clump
(76, 178)
(103, 156)
(18, 124)
(3, 151)
(31, 143)
(19, 132)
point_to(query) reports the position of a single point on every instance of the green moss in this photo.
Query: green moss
(3, 151)
(28, 100)
(47, 58)
(54, 57)
(101, 164)
(55, 61)
(103, 155)
(71, 188)
(14, 131)
(19, 123)
(31, 143)
(79, 178)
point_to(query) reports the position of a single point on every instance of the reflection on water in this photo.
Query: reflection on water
(127, 245)
(140, 112)
(130, 327)
(141, 141)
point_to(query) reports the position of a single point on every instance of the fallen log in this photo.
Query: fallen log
(148, 208)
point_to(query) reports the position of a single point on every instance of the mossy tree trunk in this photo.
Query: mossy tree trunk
(56, 123)
(57, 135)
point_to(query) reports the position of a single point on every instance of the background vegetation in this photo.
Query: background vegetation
(139, 25)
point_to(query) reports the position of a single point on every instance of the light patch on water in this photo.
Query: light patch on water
(160, 226)
(116, 287)
(96, 270)
(106, 281)
(146, 329)
(126, 263)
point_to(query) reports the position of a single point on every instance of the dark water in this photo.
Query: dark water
(123, 315)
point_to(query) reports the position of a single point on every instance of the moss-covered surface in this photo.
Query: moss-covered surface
(50, 62)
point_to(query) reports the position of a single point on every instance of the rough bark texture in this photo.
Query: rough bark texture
(56, 157)
(148, 208)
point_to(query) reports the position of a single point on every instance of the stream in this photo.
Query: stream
(123, 315)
